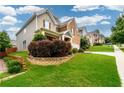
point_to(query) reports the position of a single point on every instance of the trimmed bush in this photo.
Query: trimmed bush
(47, 48)
(44, 48)
(60, 48)
(98, 44)
(81, 50)
(13, 65)
(14, 69)
(84, 43)
(33, 48)
(74, 50)
(38, 37)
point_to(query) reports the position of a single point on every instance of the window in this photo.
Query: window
(46, 24)
(24, 44)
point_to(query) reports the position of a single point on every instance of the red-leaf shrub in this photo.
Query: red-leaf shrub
(43, 49)
(60, 48)
(33, 48)
(47, 48)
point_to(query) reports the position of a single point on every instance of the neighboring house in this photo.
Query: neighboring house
(49, 25)
(83, 31)
(95, 37)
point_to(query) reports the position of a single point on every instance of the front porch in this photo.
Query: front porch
(51, 35)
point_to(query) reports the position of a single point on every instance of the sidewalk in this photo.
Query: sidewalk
(120, 63)
(103, 53)
(2, 66)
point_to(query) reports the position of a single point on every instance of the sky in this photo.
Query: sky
(13, 17)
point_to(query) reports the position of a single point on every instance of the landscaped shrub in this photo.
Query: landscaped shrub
(13, 65)
(44, 48)
(98, 44)
(33, 48)
(47, 48)
(38, 37)
(84, 43)
(14, 69)
(74, 50)
(81, 50)
(60, 48)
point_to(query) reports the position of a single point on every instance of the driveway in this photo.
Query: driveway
(3, 67)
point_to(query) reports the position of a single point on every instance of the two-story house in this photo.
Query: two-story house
(95, 37)
(49, 25)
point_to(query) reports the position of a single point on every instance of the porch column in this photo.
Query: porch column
(63, 37)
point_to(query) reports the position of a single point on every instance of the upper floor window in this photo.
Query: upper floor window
(46, 24)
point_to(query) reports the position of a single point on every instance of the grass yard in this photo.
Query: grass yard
(24, 54)
(88, 70)
(102, 48)
(2, 75)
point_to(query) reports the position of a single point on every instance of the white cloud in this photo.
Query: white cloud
(13, 29)
(65, 18)
(77, 8)
(105, 22)
(84, 8)
(7, 10)
(8, 20)
(116, 7)
(87, 20)
(28, 9)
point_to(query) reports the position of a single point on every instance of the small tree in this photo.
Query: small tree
(4, 41)
(107, 40)
(38, 37)
(97, 30)
(84, 44)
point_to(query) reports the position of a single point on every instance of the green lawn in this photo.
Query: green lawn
(103, 48)
(82, 70)
(2, 75)
(20, 53)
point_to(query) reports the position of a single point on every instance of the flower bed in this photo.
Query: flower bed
(49, 60)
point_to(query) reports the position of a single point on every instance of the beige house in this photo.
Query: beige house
(49, 25)
(93, 37)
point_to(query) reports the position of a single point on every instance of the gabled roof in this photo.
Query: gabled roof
(66, 22)
(54, 19)
(95, 32)
(67, 33)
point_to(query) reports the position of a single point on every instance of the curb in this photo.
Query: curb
(12, 76)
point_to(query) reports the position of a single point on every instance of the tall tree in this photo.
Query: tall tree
(4, 41)
(118, 31)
